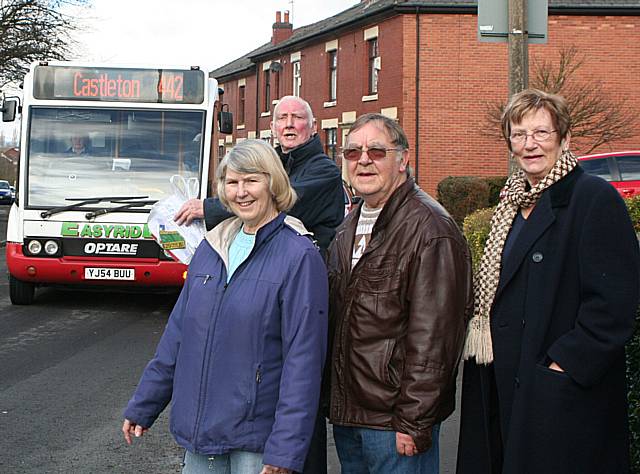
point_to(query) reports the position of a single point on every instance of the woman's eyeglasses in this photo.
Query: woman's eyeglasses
(354, 154)
(539, 136)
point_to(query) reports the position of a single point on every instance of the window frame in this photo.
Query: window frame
(266, 91)
(373, 52)
(331, 143)
(296, 67)
(241, 104)
(332, 57)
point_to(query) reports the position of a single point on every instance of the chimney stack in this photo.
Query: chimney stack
(282, 30)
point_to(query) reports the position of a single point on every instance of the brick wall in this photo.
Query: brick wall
(458, 77)
(461, 75)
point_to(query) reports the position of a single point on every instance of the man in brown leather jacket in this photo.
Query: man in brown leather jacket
(400, 296)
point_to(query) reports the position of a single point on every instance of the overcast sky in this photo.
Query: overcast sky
(209, 33)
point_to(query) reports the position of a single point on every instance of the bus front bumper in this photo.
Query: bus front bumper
(73, 270)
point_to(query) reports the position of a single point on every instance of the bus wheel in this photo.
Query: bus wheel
(21, 292)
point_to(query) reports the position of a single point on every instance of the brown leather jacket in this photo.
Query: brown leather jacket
(398, 318)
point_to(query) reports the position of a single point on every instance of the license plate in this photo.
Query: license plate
(109, 274)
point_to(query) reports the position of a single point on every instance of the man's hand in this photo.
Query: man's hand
(267, 469)
(130, 428)
(190, 210)
(405, 445)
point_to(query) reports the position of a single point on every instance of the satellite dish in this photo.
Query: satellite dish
(275, 67)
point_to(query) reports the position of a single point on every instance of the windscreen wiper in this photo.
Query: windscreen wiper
(128, 205)
(84, 202)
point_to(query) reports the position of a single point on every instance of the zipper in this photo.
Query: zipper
(345, 261)
(215, 312)
(254, 398)
(211, 331)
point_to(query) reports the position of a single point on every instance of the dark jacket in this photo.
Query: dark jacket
(317, 182)
(568, 293)
(242, 361)
(398, 318)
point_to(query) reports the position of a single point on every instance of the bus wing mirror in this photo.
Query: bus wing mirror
(225, 120)
(9, 109)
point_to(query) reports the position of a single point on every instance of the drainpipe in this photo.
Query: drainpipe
(417, 106)
(257, 101)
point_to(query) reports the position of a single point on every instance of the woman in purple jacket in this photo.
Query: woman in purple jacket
(243, 351)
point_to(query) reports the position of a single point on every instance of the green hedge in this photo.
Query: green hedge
(461, 195)
(633, 361)
(496, 183)
(633, 381)
(476, 229)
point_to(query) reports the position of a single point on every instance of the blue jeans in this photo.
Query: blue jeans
(367, 451)
(234, 462)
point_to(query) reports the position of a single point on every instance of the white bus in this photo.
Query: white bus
(99, 145)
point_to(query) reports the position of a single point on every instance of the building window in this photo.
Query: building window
(276, 84)
(331, 141)
(374, 65)
(333, 74)
(266, 106)
(241, 91)
(297, 78)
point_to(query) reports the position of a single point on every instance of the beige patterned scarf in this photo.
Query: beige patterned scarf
(514, 197)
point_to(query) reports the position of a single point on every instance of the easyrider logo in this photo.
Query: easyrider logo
(107, 231)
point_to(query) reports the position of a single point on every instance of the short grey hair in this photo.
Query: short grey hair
(304, 103)
(391, 127)
(532, 100)
(257, 156)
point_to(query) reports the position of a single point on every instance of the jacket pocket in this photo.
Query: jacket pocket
(373, 381)
(565, 418)
(203, 279)
(253, 402)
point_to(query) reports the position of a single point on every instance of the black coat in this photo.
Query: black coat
(318, 184)
(568, 293)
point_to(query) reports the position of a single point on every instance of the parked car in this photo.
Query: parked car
(621, 169)
(13, 192)
(6, 196)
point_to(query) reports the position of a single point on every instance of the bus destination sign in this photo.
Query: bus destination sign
(167, 86)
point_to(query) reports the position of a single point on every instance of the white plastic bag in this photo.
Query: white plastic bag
(179, 241)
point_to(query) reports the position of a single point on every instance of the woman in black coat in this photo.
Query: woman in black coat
(556, 293)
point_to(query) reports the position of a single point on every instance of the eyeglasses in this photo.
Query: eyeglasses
(354, 154)
(538, 136)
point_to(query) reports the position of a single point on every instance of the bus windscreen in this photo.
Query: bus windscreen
(166, 86)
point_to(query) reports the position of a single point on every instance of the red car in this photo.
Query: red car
(621, 169)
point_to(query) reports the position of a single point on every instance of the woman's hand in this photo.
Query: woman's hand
(267, 469)
(130, 428)
(405, 445)
(556, 367)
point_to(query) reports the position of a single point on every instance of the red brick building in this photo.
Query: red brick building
(421, 63)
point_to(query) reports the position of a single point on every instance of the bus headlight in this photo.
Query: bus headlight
(35, 247)
(51, 247)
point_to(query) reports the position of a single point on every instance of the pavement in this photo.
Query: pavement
(4, 215)
(448, 432)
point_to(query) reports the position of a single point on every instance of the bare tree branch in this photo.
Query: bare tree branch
(597, 118)
(33, 30)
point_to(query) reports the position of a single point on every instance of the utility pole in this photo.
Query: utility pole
(518, 45)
